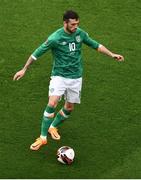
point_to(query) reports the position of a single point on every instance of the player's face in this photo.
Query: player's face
(71, 25)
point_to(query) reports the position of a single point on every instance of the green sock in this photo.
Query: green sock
(47, 120)
(60, 117)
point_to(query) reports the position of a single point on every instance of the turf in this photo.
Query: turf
(105, 129)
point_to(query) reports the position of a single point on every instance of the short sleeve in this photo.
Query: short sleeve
(90, 42)
(48, 44)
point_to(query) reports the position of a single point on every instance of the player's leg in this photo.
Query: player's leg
(72, 96)
(63, 114)
(48, 115)
(60, 117)
(47, 119)
(56, 90)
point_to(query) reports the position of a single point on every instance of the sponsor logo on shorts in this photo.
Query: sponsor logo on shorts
(51, 90)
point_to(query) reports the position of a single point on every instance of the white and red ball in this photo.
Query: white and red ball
(65, 155)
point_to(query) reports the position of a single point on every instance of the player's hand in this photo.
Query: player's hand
(19, 75)
(118, 57)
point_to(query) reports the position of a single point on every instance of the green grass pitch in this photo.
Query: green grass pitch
(105, 130)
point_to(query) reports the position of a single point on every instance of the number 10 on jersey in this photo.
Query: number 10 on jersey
(72, 46)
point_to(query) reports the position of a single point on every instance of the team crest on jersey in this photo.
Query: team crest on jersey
(78, 39)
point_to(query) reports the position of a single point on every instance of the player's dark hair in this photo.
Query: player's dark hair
(70, 14)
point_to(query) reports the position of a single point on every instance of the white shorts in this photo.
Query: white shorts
(70, 88)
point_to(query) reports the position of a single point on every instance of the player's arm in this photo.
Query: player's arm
(21, 73)
(90, 42)
(35, 55)
(100, 48)
(106, 51)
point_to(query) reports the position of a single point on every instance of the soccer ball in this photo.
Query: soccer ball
(65, 155)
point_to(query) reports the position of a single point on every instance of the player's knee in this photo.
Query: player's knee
(52, 104)
(53, 101)
(69, 107)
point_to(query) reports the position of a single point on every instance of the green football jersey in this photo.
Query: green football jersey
(66, 51)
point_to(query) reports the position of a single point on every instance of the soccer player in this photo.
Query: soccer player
(66, 77)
